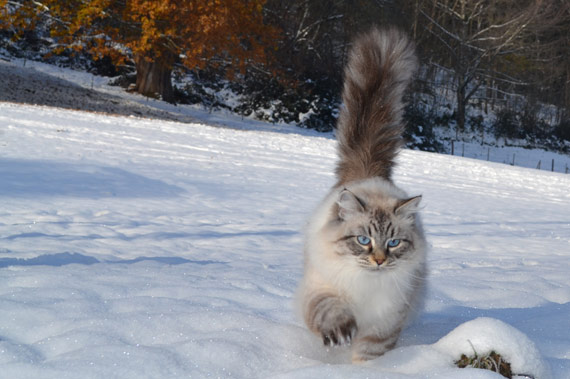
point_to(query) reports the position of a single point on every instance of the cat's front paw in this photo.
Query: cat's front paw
(342, 331)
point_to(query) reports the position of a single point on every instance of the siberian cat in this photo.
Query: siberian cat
(365, 250)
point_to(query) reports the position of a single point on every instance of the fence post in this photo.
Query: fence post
(463, 150)
(538, 165)
(488, 153)
(513, 159)
(452, 147)
(552, 164)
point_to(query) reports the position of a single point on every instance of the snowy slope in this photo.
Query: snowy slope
(33, 82)
(133, 248)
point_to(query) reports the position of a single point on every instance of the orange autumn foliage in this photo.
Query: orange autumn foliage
(163, 31)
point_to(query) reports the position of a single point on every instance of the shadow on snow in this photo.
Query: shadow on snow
(34, 178)
(62, 259)
(158, 236)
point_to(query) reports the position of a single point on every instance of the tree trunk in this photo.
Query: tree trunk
(154, 79)
(460, 115)
(567, 87)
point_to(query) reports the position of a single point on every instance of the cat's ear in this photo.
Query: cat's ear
(408, 206)
(349, 204)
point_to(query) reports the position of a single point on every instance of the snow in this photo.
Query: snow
(499, 151)
(495, 335)
(134, 248)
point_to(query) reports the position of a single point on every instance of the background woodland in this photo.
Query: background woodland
(495, 67)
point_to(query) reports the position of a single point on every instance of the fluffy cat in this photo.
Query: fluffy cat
(365, 249)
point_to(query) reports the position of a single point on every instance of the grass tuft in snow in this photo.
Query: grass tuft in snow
(492, 361)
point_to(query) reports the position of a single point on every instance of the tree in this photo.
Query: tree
(316, 34)
(155, 33)
(473, 35)
(551, 57)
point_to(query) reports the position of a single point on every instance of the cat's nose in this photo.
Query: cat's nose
(379, 259)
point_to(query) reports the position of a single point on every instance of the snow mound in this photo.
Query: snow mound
(487, 334)
(482, 334)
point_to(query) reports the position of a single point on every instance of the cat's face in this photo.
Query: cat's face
(377, 233)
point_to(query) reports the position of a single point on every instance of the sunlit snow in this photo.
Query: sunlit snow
(137, 248)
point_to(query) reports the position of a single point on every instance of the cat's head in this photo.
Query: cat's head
(378, 231)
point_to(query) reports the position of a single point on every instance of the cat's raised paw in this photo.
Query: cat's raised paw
(342, 334)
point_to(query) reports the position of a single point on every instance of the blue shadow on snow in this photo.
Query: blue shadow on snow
(25, 178)
(62, 259)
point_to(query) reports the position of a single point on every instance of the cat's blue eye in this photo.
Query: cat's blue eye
(393, 243)
(363, 240)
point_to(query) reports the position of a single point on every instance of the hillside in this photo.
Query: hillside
(145, 248)
(31, 82)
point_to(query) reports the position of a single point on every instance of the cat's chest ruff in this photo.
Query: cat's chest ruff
(379, 301)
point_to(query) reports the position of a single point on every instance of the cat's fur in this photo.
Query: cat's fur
(353, 293)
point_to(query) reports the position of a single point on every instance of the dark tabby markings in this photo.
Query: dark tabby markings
(373, 346)
(380, 66)
(327, 315)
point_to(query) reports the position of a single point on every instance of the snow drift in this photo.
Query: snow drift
(140, 248)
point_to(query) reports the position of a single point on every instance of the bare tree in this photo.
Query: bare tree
(473, 34)
(552, 57)
(317, 33)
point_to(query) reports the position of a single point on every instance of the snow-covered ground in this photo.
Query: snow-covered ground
(506, 152)
(147, 248)
(137, 248)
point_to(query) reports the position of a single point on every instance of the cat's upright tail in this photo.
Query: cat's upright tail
(369, 130)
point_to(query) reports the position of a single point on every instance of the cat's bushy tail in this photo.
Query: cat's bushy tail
(369, 130)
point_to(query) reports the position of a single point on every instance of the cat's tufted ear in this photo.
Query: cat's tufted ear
(408, 206)
(349, 204)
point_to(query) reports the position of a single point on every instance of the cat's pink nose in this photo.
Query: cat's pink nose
(379, 260)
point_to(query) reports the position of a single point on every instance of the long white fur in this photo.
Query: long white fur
(380, 66)
(370, 293)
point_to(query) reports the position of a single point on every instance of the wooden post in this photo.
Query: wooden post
(463, 150)
(452, 147)
(488, 153)
(513, 159)
(552, 164)
(538, 165)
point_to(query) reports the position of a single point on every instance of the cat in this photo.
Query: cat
(365, 250)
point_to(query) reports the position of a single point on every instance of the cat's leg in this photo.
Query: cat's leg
(329, 316)
(371, 346)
